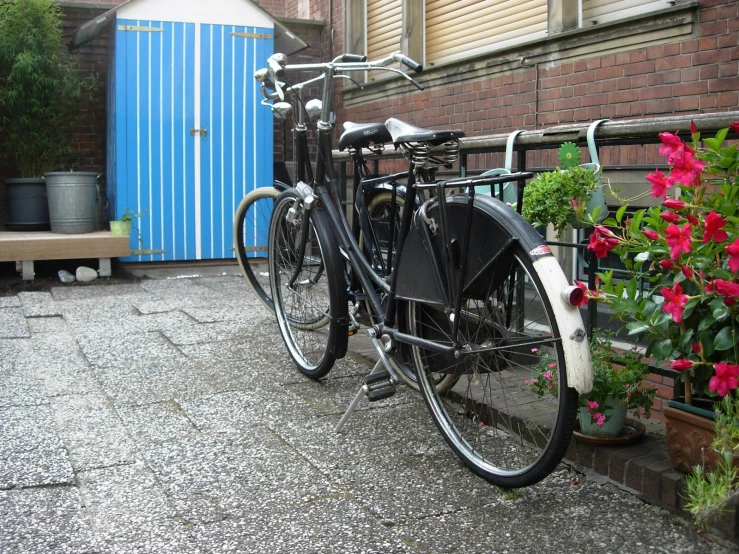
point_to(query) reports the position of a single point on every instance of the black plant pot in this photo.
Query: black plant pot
(28, 208)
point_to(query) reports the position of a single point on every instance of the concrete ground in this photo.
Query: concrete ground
(164, 415)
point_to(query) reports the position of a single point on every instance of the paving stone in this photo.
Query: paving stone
(92, 432)
(124, 349)
(38, 304)
(10, 302)
(15, 356)
(159, 422)
(44, 520)
(18, 391)
(54, 324)
(97, 290)
(13, 324)
(31, 451)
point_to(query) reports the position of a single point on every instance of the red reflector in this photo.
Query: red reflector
(577, 295)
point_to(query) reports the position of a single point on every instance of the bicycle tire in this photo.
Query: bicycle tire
(302, 314)
(251, 235)
(378, 207)
(492, 419)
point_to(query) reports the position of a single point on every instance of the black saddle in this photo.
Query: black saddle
(404, 132)
(362, 135)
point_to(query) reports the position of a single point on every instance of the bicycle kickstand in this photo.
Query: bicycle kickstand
(378, 385)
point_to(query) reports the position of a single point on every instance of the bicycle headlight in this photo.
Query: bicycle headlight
(314, 107)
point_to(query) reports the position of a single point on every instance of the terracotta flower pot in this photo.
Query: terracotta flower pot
(689, 436)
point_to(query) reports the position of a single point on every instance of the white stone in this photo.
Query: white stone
(86, 274)
(66, 277)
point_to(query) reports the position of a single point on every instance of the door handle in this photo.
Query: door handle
(202, 132)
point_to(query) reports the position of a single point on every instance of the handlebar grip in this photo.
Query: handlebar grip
(416, 84)
(353, 58)
(417, 67)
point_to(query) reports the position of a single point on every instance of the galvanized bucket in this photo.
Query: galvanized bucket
(72, 201)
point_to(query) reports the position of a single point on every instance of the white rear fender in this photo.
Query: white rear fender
(571, 328)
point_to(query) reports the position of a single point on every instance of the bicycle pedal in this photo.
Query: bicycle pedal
(380, 385)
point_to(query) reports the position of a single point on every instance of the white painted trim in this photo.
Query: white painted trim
(198, 230)
(216, 12)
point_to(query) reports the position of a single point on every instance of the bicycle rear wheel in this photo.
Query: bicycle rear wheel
(251, 235)
(491, 418)
(311, 313)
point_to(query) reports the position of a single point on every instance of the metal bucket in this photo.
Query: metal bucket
(72, 201)
(28, 209)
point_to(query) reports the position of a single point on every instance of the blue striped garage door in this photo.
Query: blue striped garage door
(191, 138)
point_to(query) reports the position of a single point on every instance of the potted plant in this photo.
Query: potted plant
(619, 386)
(686, 251)
(122, 227)
(560, 197)
(40, 91)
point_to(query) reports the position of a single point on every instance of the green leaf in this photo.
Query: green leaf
(620, 213)
(685, 339)
(713, 144)
(721, 313)
(636, 327)
(721, 135)
(724, 339)
(662, 349)
(706, 323)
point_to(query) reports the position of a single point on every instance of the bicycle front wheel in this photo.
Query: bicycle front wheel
(309, 307)
(492, 418)
(251, 234)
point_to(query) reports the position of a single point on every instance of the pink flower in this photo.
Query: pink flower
(600, 420)
(602, 241)
(681, 365)
(725, 379)
(733, 251)
(534, 350)
(659, 183)
(592, 404)
(679, 239)
(548, 375)
(666, 264)
(651, 235)
(673, 204)
(670, 217)
(675, 302)
(670, 144)
(529, 381)
(553, 365)
(714, 225)
(685, 168)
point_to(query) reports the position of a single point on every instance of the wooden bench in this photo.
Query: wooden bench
(26, 247)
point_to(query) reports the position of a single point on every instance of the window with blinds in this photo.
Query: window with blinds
(384, 27)
(461, 28)
(602, 11)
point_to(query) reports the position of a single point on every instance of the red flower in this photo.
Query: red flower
(693, 220)
(724, 288)
(725, 379)
(675, 302)
(602, 241)
(670, 144)
(666, 264)
(674, 204)
(681, 365)
(733, 251)
(651, 235)
(685, 168)
(679, 239)
(735, 126)
(670, 217)
(714, 225)
(659, 183)
(686, 271)
(696, 347)
(693, 128)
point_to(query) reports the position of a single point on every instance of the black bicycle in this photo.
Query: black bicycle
(471, 292)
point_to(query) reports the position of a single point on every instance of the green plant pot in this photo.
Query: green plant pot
(615, 420)
(120, 228)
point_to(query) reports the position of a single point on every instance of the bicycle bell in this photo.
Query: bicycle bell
(313, 108)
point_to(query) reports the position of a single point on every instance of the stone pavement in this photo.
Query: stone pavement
(165, 416)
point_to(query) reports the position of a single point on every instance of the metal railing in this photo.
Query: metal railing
(609, 133)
